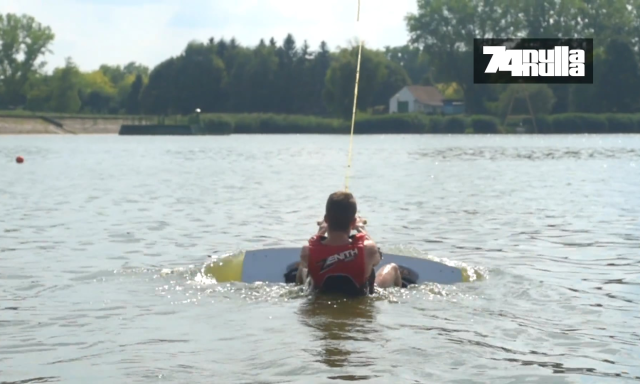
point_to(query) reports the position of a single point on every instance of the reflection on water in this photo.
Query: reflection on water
(345, 329)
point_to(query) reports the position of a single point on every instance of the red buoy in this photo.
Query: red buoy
(19, 160)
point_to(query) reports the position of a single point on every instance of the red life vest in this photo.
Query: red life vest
(347, 261)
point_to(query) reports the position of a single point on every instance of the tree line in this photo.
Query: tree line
(445, 31)
(289, 77)
(282, 78)
(215, 76)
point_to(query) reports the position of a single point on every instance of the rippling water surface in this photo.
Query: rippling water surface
(102, 240)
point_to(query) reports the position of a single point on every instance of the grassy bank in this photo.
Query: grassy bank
(420, 123)
(31, 115)
(396, 123)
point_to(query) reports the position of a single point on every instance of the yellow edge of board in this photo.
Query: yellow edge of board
(225, 269)
(466, 278)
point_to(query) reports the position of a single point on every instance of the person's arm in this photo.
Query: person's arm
(322, 228)
(304, 254)
(370, 247)
(361, 229)
(372, 252)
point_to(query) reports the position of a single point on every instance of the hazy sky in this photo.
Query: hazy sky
(94, 32)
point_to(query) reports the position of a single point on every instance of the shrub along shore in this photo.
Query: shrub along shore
(412, 123)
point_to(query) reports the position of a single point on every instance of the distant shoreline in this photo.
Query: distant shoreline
(51, 124)
(21, 123)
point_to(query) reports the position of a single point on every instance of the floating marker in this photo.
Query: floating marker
(19, 160)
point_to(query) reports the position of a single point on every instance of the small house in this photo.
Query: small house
(425, 99)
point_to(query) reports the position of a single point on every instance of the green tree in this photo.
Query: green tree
(199, 78)
(395, 79)
(261, 72)
(66, 83)
(39, 92)
(122, 78)
(302, 83)
(133, 68)
(618, 87)
(634, 35)
(340, 81)
(446, 29)
(286, 76)
(118, 74)
(158, 96)
(541, 99)
(3, 101)
(316, 73)
(23, 42)
(584, 97)
(550, 18)
(238, 91)
(606, 19)
(600, 19)
(97, 93)
(412, 60)
(132, 102)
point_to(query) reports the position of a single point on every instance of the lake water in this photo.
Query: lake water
(102, 240)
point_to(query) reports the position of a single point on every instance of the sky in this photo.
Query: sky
(95, 32)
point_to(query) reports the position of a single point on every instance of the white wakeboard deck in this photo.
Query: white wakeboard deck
(270, 265)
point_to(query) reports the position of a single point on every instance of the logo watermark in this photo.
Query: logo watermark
(330, 261)
(533, 61)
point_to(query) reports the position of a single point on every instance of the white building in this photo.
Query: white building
(421, 98)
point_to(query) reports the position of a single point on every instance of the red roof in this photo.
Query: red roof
(427, 95)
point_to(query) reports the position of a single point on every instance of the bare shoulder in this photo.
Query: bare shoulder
(370, 245)
(371, 250)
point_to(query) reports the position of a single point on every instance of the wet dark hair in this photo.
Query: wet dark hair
(340, 211)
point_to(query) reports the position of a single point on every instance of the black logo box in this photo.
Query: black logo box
(481, 61)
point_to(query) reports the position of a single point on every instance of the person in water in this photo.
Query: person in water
(334, 261)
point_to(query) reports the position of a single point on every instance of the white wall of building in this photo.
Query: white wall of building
(403, 95)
